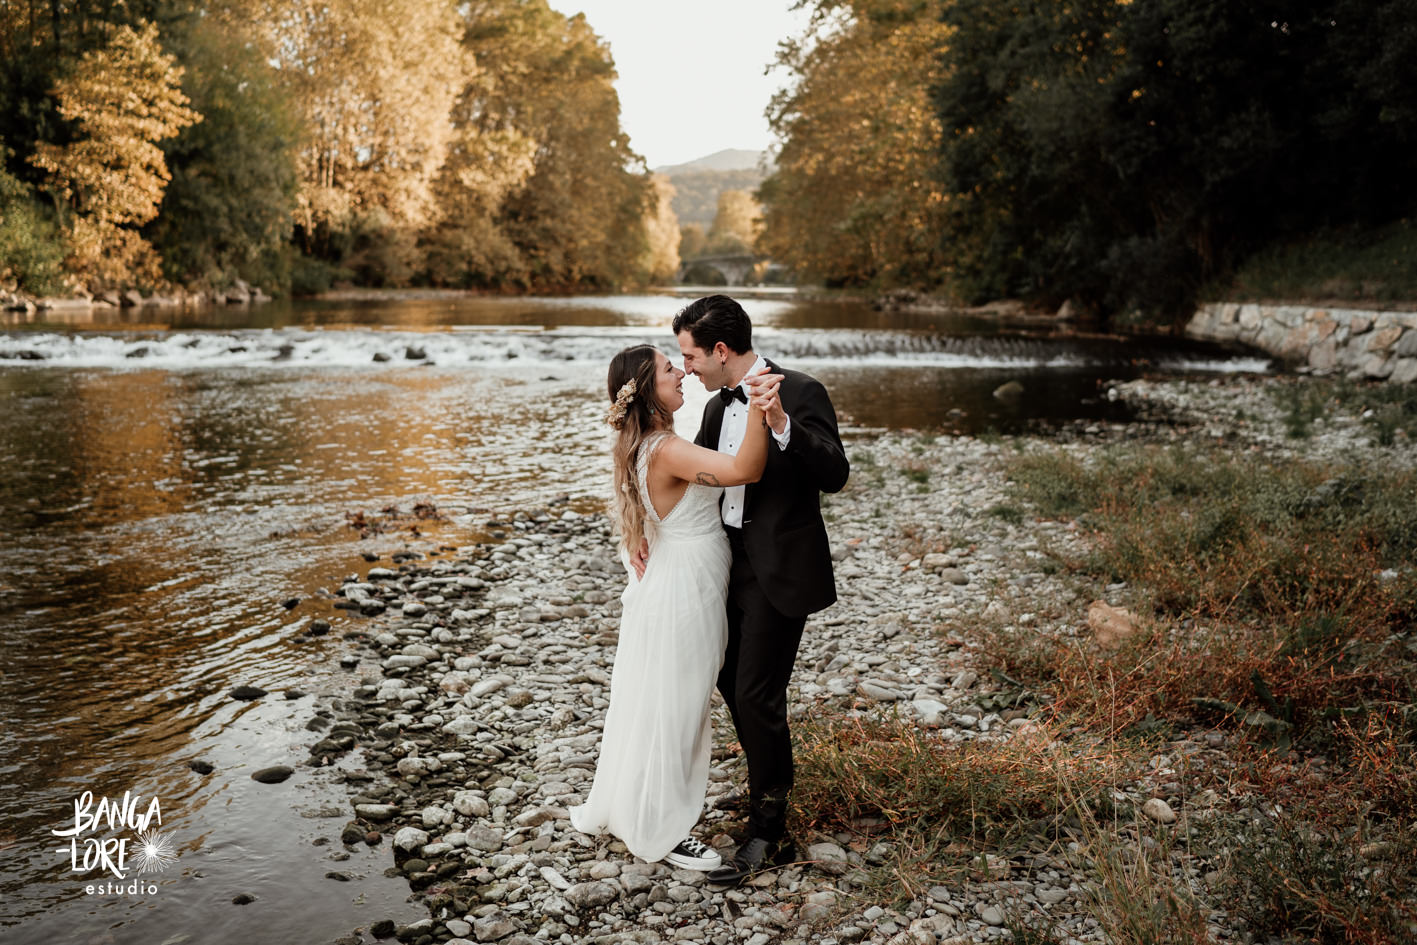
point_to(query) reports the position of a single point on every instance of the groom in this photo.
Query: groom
(782, 566)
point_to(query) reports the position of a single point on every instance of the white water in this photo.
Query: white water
(482, 347)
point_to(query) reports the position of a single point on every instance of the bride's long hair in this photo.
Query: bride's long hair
(635, 412)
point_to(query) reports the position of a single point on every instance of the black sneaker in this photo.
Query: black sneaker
(691, 854)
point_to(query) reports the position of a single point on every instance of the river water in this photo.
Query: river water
(171, 481)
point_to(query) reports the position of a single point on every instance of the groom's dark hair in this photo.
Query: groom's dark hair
(716, 318)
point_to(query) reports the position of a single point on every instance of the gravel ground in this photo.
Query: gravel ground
(482, 683)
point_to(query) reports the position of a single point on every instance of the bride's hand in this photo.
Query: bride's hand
(763, 394)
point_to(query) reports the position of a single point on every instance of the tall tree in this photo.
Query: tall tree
(123, 98)
(854, 199)
(30, 254)
(227, 210)
(559, 199)
(1124, 154)
(692, 240)
(373, 82)
(737, 224)
(661, 233)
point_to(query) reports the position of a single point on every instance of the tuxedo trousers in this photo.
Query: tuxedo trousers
(757, 665)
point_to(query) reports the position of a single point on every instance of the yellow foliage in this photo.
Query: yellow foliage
(662, 233)
(737, 224)
(124, 97)
(853, 199)
(374, 82)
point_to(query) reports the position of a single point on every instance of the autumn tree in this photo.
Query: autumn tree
(692, 240)
(541, 189)
(854, 199)
(373, 82)
(123, 98)
(1128, 154)
(736, 225)
(661, 234)
(30, 254)
(227, 211)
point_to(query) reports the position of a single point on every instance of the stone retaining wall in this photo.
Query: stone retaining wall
(1364, 344)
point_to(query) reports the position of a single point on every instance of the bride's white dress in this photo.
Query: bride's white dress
(654, 752)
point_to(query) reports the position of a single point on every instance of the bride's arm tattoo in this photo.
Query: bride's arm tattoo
(707, 479)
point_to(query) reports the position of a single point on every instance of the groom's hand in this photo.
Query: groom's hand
(640, 559)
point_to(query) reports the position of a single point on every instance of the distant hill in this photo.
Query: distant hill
(698, 183)
(729, 159)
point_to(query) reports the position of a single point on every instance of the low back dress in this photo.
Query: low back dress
(652, 771)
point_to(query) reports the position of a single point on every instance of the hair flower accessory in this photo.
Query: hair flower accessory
(623, 397)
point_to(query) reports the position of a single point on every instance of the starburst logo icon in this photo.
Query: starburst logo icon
(155, 852)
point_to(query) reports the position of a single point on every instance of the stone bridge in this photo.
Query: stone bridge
(735, 268)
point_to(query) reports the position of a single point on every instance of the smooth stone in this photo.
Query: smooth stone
(828, 857)
(247, 693)
(929, 710)
(484, 838)
(273, 775)
(1159, 811)
(554, 879)
(376, 812)
(590, 895)
(469, 804)
(492, 927)
(878, 692)
(409, 839)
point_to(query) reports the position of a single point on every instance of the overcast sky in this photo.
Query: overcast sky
(691, 71)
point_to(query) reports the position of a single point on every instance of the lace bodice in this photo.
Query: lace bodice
(695, 514)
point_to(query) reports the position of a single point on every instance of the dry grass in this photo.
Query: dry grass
(1282, 589)
(1277, 600)
(930, 810)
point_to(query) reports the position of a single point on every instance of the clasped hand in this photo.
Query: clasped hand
(763, 394)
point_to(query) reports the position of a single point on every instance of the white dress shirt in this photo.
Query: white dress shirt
(730, 439)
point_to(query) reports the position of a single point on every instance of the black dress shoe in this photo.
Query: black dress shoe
(752, 857)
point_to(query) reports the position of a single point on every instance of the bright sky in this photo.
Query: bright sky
(691, 71)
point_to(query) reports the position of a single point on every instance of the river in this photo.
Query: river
(179, 490)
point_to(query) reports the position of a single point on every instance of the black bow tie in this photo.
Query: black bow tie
(730, 394)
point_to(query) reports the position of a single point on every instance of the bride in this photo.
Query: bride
(654, 751)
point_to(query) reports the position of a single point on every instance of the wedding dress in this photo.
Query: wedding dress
(654, 751)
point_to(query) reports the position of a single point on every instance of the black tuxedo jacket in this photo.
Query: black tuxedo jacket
(783, 533)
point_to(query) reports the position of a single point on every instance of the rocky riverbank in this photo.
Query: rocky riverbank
(481, 683)
(238, 293)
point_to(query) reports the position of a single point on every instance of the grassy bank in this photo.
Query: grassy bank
(1263, 606)
(1275, 601)
(1367, 266)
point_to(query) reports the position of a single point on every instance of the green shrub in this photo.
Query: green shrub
(31, 248)
(310, 276)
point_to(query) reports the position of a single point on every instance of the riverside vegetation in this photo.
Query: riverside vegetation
(1130, 683)
(1048, 153)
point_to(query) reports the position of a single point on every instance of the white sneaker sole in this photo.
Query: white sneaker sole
(701, 863)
